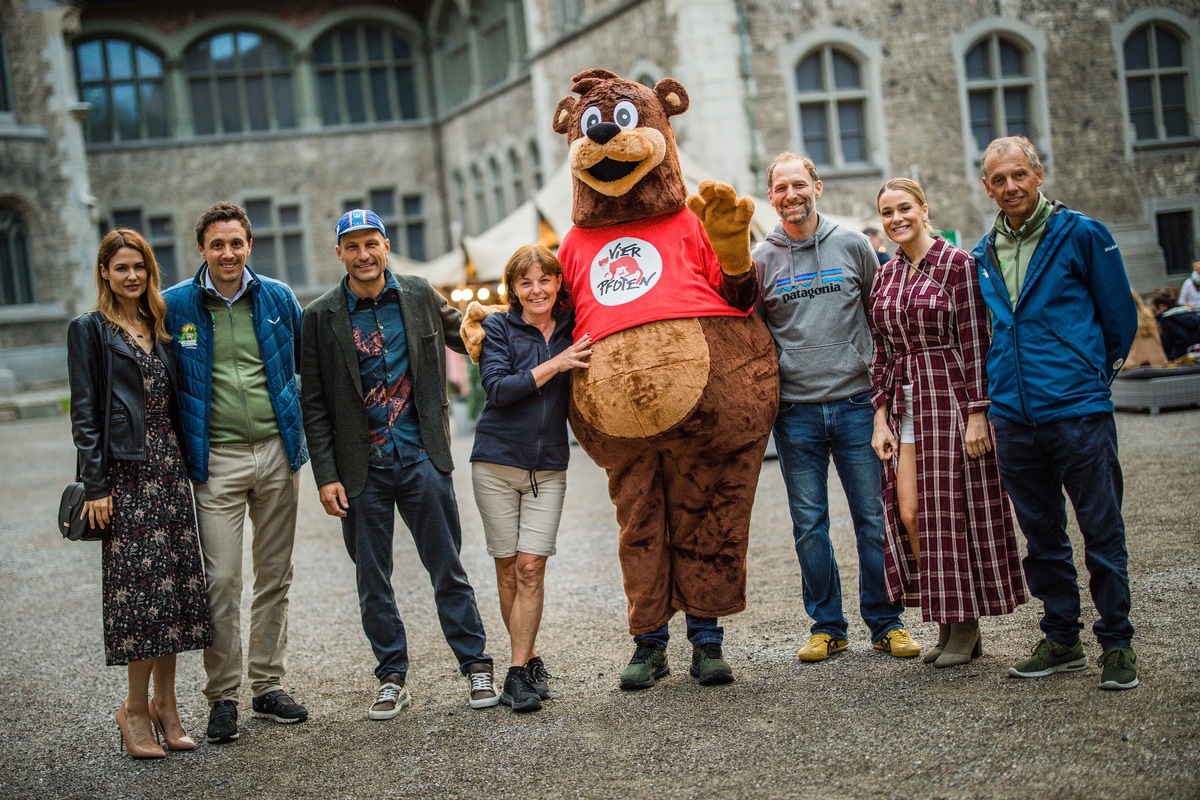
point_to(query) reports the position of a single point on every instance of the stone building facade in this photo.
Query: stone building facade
(437, 112)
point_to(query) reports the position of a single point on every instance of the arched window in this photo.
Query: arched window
(517, 170)
(832, 103)
(1156, 83)
(494, 45)
(500, 204)
(365, 73)
(480, 195)
(122, 81)
(454, 57)
(16, 275)
(535, 164)
(240, 81)
(1000, 88)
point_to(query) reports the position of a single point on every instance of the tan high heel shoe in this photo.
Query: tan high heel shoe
(183, 742)
(135, 750)
(965, 645)
(931, 655)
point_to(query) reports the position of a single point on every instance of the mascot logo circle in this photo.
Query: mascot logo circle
(624, 270)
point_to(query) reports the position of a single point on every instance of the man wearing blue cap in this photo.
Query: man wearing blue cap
(374, 400)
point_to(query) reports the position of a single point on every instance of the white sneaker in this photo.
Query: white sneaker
(392, 697)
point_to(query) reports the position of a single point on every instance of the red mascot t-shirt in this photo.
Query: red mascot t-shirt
(622, 276)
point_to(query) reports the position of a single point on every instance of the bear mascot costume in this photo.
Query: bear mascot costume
(683, 387)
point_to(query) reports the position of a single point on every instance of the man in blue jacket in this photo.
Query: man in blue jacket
(237, 344)
(1063, 320)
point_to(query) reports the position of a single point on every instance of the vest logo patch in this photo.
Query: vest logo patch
(188, 338)
(624, 270)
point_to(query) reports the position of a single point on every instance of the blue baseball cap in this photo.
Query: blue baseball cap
(359, 219)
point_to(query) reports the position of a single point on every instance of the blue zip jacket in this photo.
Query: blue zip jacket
(523, 426)
(276, 314)
(1054, 355)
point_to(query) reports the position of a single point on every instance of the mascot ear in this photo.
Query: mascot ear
(672, 95)
(562, 114)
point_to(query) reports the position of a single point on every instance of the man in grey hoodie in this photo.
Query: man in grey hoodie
(816, 277)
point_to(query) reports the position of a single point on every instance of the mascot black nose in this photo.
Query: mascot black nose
(602, 132)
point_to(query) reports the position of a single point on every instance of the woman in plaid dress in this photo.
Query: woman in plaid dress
(949, 547)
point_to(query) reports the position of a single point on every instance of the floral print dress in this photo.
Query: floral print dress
(155, 603)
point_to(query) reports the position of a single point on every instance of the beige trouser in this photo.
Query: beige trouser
(259, 477)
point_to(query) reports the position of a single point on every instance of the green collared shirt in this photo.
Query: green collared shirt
(1015, 249)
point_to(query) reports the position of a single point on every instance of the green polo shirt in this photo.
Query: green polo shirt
(241, 403)
(1014, 249)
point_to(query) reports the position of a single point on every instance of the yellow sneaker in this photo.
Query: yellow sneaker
(820, 647)
(898, 643)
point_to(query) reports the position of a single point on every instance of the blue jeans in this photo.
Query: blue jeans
(806, 434)
(700, 631)
(1036, 464)
(425, 497)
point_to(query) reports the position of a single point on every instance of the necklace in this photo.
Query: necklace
(129, 326)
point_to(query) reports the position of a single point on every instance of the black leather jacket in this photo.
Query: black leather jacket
(108, 405)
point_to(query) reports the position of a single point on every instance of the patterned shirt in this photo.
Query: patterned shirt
(379, 339)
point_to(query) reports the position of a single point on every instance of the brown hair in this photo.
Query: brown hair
(150, 304)
(909, 186)
(518, 266)
(220, 212)
(790, 156)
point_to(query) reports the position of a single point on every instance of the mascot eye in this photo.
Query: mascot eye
(625, 114)
(590, 117)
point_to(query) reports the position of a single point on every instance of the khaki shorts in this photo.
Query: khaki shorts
(514, 520)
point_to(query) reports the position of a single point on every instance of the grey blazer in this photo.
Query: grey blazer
(335, 418)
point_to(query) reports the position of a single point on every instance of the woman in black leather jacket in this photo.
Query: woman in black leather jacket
(124, 418)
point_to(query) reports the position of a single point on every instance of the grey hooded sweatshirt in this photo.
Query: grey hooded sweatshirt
(814, 299)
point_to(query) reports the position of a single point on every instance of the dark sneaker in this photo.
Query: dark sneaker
(483, 685)
(539, 678)
(222, 722)
(279, 706)
(1120, 668)
(393, 696)
(1048, 658)
(648, 665)
(709, 667)
(519, 694)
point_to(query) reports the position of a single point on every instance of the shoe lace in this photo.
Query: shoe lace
(642, 654)
(481, 682)
(537, 670)
(899, 636)
(711, 650)
(1117, 656)
(388, 693)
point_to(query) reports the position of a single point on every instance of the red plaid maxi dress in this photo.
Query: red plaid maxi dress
(932, 330)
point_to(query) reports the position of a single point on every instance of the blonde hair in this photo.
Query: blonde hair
(908, 186)
(150, 304)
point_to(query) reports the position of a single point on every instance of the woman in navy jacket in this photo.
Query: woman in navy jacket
(519, 461)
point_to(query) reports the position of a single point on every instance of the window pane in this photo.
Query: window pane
(161, 227)
(356, 110)
(293, 254)
(1175, 239)
(168, 267)
(381, 96)
(250, 47)
(383, 202)
(120, 59)
(1170, 50)
(265, 256)
(808, 74)
(227, 94)
(328, 98)
(125, 107)
(128, 218)
(413, 205)
(1016, 112)
(415, 234)
(285, 111)
(1137, 49)
(981, 118)
(816, 137)
(853, 132)
(323, 51)
(1012, 60)
(289, 216)
(376, 49)
(347, 40)
(277, 56)
(90, 58)
(202, 115)
(1174, 105)
(406, 88)
(222, 52)
(99, 120)
(845, 72)
(148, 64)
(259, 212)
(154, 107)
(400, 49)
(977, 62)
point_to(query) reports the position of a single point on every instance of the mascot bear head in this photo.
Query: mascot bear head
(622, 149)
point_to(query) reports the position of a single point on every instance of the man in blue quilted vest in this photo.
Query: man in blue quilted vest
(237, 343)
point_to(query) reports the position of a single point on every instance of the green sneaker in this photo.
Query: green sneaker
(1120, 668)
(709, 667)
(1050, 657)
(647, 666)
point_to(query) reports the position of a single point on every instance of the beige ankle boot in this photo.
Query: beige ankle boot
(965, 644)
(932, 653)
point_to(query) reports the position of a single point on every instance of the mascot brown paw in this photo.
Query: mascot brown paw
(471, 329)
(726, 220)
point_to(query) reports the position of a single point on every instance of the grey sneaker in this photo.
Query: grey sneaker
(1048, 658)
(648, 665)
(1120, 668)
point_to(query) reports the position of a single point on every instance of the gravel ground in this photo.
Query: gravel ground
(861, 724)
